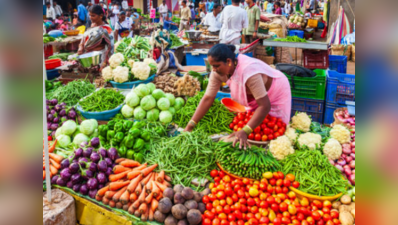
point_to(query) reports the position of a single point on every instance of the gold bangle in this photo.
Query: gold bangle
(247, 130)
(193, 122)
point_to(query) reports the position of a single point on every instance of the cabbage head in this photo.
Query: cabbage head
(142, 90)
(69, 127)
(95, 122)
(171, 98)
(139, 113)
(127, 111)
(132, 99)
(179, 103)
(80, 138)
(158, 94)
(58, 132)
(164, 104)
(172, 110)
(153, 115)
(148, 102)
(165, 117)
(77, 131)
(151, 87)
(87, 127)
(63, 141)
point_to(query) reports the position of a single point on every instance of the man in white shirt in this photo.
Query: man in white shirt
(57, 9)
(50, 15)
(163, 9)
(125, 5)
(233, 19)
(288, 8)
(213, 20)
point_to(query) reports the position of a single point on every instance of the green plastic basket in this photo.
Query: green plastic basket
(309, 87)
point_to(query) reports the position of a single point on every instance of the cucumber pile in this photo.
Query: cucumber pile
(250, 163)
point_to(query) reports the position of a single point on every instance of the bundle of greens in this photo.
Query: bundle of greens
(102, 100)
(72, 92)
(62, 56)
(47, 38)
(175, 41)
(291, 39)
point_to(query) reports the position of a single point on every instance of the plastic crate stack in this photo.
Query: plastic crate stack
(340, 88)
(308, 94)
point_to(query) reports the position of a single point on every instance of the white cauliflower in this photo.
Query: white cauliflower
(116, 59)
(107, 73)
(117, 45)
(121, 74)
(141, 70)
(301, 121)
(149, 61)
(131, 63)
(332, 149)
(311, 140)
(340, 133)
(281, 147)
(291, 134)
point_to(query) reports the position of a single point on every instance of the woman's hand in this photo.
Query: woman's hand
(188, 128)
(240, 136)
(80, 51)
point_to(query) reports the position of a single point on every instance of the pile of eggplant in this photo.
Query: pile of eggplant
(57, 114)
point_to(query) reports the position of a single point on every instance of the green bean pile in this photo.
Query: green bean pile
(102, 100)
(291, 39)
(315, 174)
(184, 157)
(72, 92)
(251, 163)
(216, 120)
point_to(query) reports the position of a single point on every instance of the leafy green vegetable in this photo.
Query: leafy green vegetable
(291, 39)
(72, 92)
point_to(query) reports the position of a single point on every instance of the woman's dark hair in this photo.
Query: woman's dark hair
(278, 4)
(222, 52)
(97, 9)
(122, 13)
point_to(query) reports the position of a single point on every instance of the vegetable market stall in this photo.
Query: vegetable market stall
(68, 44)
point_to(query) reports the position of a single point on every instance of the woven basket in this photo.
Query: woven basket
(353, 53)
(72, 32)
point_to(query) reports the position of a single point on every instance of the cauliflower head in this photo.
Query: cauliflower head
(332, 149)
(311, 140)
(301, 121)
(141, 70)
(131, 63)
(291, 134)
(116, 59)
(149, 61)
(117, 45)
(281, 147)
(121, 74)
(107, 73)
(340, 133)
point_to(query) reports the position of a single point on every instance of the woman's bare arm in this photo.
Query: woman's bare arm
(203, 108)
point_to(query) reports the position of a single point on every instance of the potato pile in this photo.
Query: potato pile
(346, 209)
(181, 206)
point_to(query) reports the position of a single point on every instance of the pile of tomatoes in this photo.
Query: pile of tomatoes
(269, 201)
(269, 129)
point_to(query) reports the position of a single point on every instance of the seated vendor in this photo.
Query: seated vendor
(213, 20)
(98, 36)
(167, 23)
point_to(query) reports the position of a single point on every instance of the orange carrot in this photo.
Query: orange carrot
(154, 204)
(105, 201)
(131, 209)
(161, 186)
(146, 179)
(133, 174)
(149, 198)
(149, 187)
(112, 204)
(139, 168)
(55, 164)
(160, 196)
(133, 197)
(52, 147)
(138, 190)
(130, 163)
(120, 169)
(102, 191)
(53, 170)
(155, 176)
(115, 177)
(98, 198)
(44, 174)
(124, 199)
(167, 184)
(155, 189)
(143, 208)
(56, 158)
(117, 185)
(141, 197)
(147, 170)
(117, 196)
(150, 217)
(133, 184)
(160, 178)
(167, 178)
(119, 205)
(110, 194)
(119, 160)
(136, 204)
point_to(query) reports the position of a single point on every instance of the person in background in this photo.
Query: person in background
(308, 13)
(193, 14)
(210, 6)
(101, 3)
(123, 27)
(57, 9)
(224, 3)
(185, 16)
(242, 4)
(202, 7)
(75, 19)
(82, 13)
(265, 6)
(163, 9)
(253, 13)
(89, 4)
(233, 20)
(288, 8)
(213, 20)
(59, 19)
(270, 7)
(191, 3)
(115, 14)
(125, 5)
(110, 6)
(167, 23)
(50, 14)
(70, 8)
(278, 9)
(312, 5)
(202, 14)
(65, 25)
(180, 3)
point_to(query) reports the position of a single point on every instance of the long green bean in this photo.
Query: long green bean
(72, 92)
(102, 100)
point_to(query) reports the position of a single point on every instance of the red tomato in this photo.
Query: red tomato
(310, 220)
(209, 214)
(224, 222)
(264, 220)
(279, 182)
(270, 136)
(286, 183)
(263, 127)
(251, 136)
(206, 221)
(272, 181)
(285, 190)
(235, 197)
(270, 200)
(231, 217)
(250, 202)
(277, 134)
(316, 215)
(266, 120)
(257, 130)
(271, 125)
(221, 174)
(336, 221)
(237, 206)
(304, 222)
(267, 131)
(278, 190)
(275, 207)
(263, 205)
(277, 221)
(257, 137)
(327, 217)
(242, 201)
(216, 221)
(241, 193)
(235, 121)
(238, 214)
(228, 191)
(241, 222)
(227, 209)
(253, 221)
(286, 220)
(212, 197)
(241, 124)
(254, 209)
(318, 204)
(219, 209)
(214, 173)
(205, 199)
(220, 195)
(326, 210)
(281, 130)
(320, 222)
(264, 138)
(334, 214)
(222, 216)
(231, 126)
(232, 223)
(243, 208)
(331, 223)
(270, 189)
(327, 204)
(296, 184)
(283, 207)
(300, 216)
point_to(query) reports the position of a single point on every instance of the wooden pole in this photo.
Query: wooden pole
(46, 154)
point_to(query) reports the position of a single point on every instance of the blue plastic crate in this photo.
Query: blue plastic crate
(338, 63)
(220, 95)
(329, 110)
(340, 87)
(298, 33)
(312, 107)
(195, 60)
(52, 74)
(131, 85)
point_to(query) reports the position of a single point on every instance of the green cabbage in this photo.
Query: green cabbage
(171, 98)
(148, 103)
(80, 138)
(142, 90)
(179, 103)
(153, 115)
(164, 104)
(158, 94)
(132, 99)
(165, 117)
(139, 113)
(63, 141)
(95, 123)
(58, 132)
(151, 87)
(127, 111)
(172, 110)
(87, 127)
(77, 131)
(68, 128)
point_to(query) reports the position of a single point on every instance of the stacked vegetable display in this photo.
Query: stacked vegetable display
(55, 160)
(71, 93)
(70, 133)
(146, 102)
(346, 207)
(58, 113)
(102, 100)
(269, 129)
(87, 170)
(250, 163)
(344, 117)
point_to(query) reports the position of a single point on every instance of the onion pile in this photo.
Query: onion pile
(344, 117)
(346, 163)
(57, 114)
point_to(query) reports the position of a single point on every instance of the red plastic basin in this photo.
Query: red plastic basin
(52, 64)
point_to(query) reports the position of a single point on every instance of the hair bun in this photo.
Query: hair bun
(232, 48)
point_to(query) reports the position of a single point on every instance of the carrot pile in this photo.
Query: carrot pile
(135, 188)
(55, 160)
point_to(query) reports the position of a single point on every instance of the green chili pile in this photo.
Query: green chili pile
(184, 157)
(251, 163)
(291, 39)
(315, 174)
(102, 100)
(216, 120)
(72, 92)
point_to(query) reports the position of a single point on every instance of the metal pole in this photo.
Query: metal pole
(46, 154)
